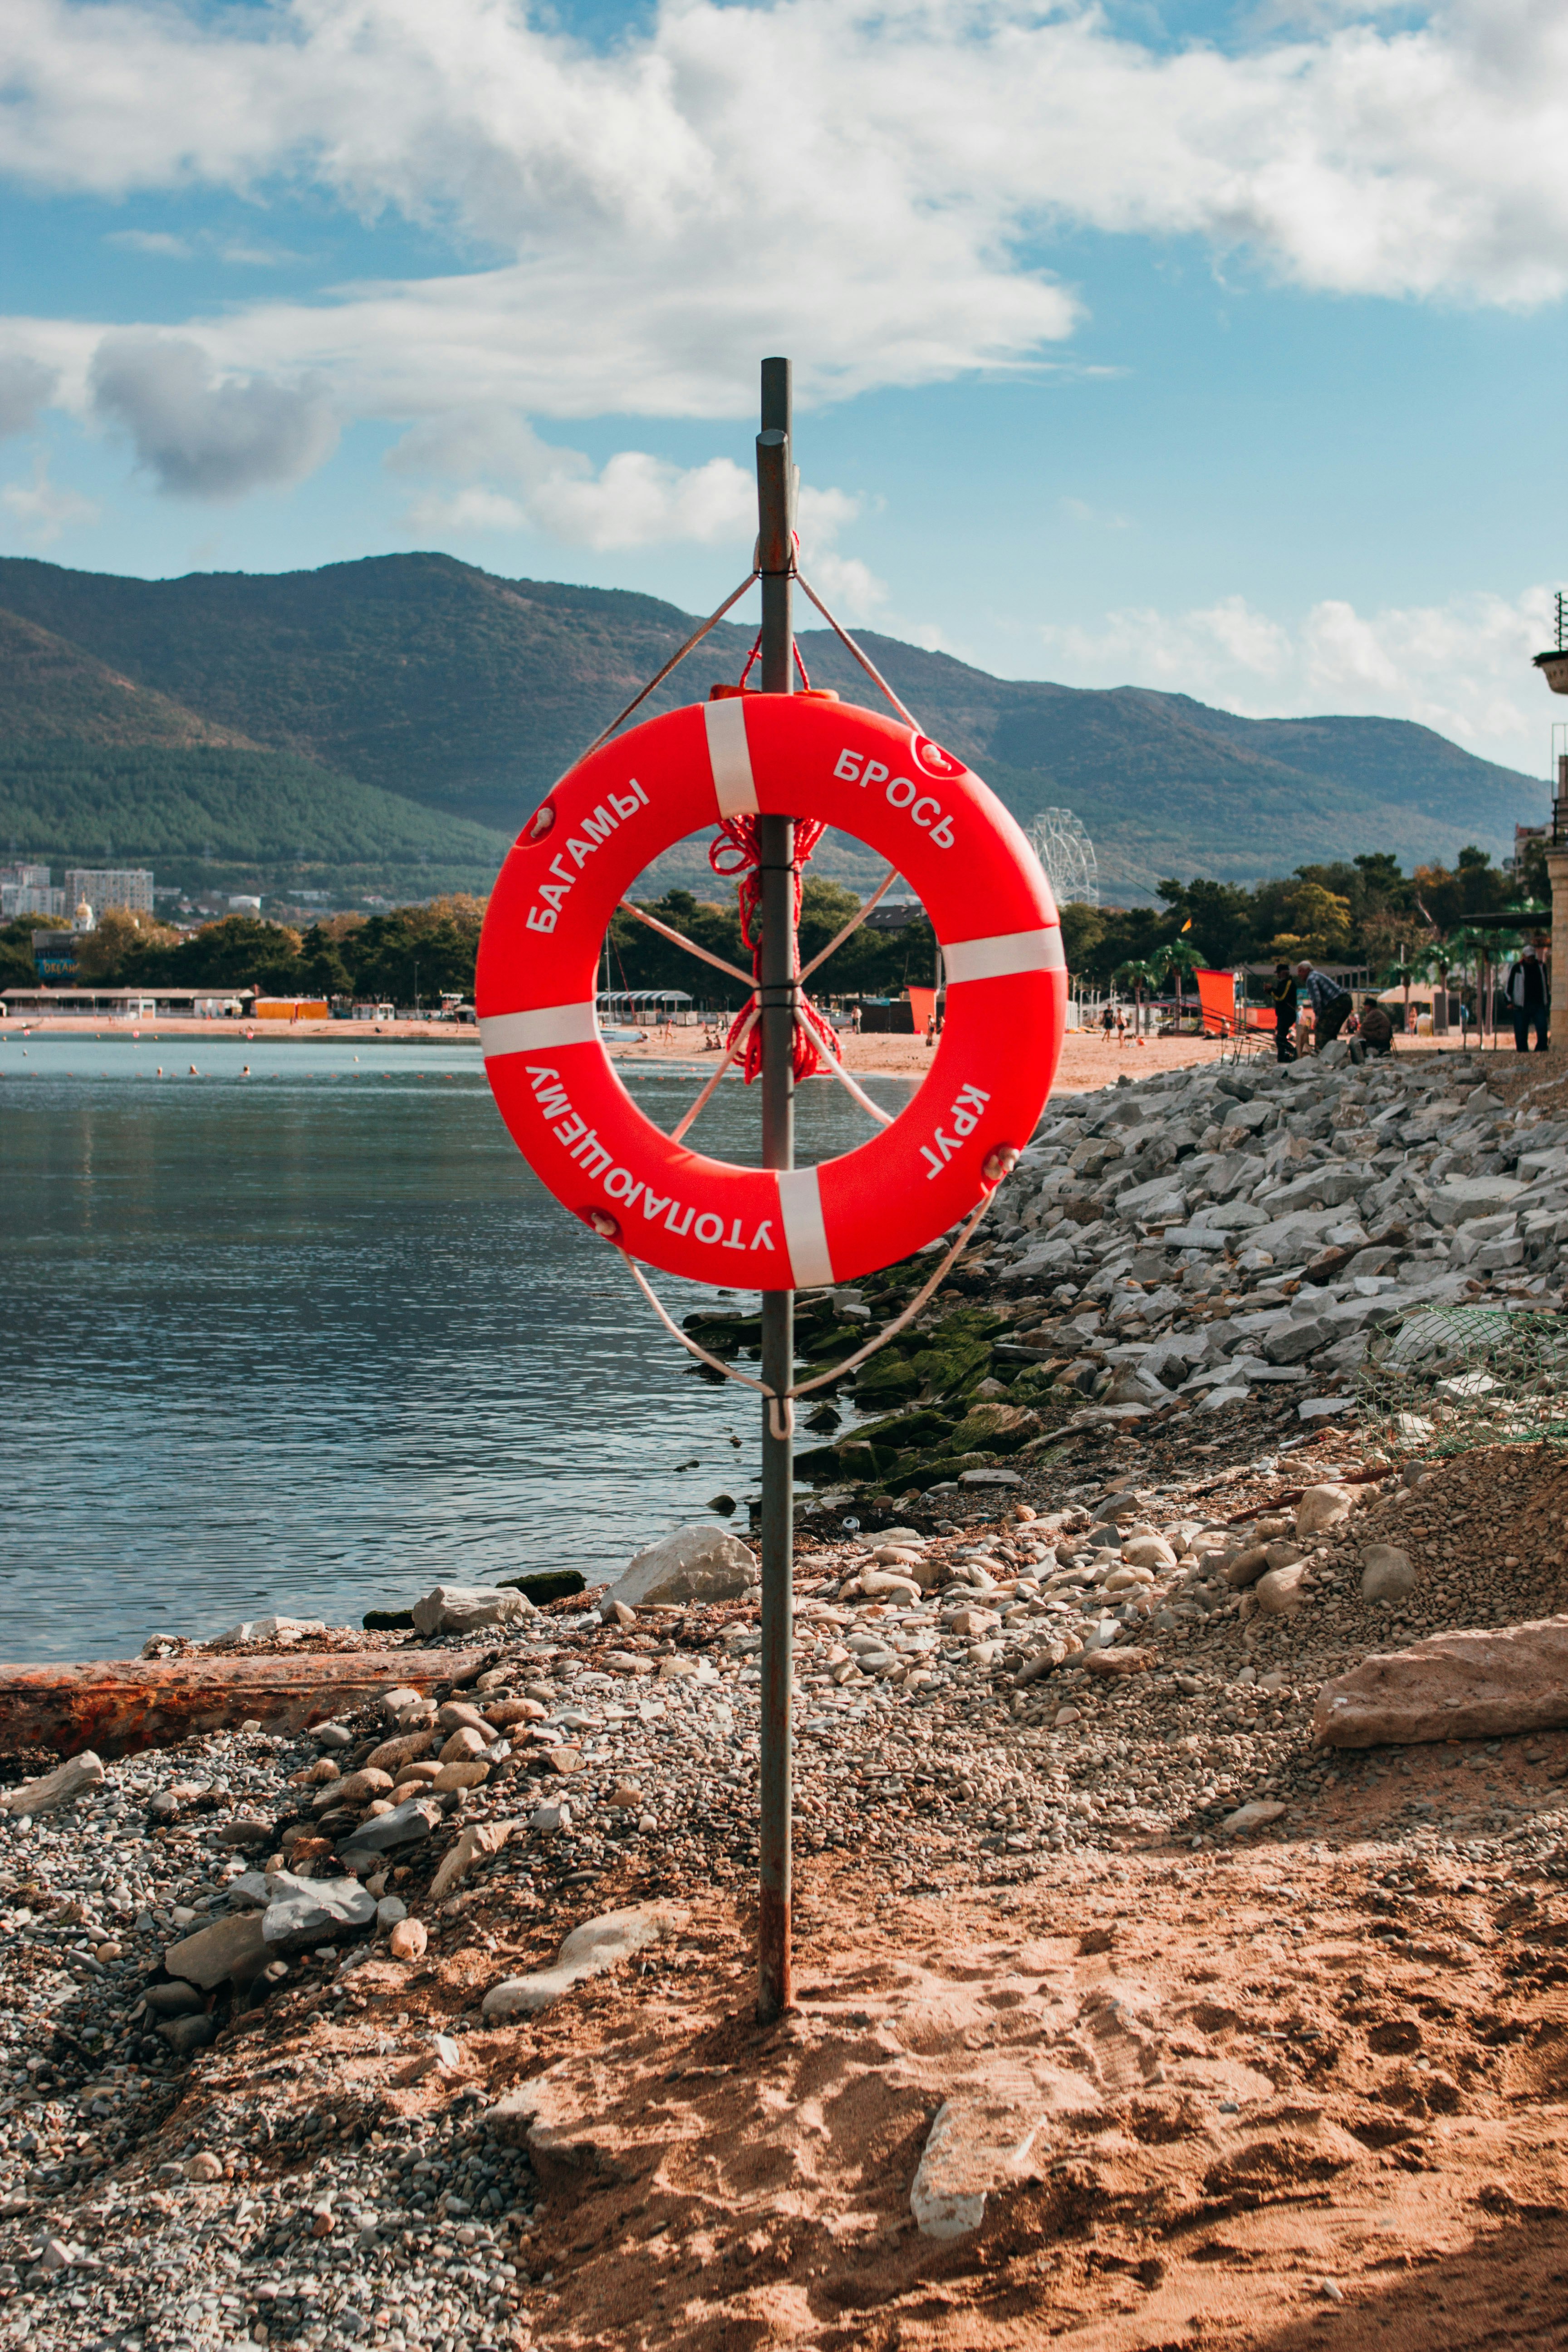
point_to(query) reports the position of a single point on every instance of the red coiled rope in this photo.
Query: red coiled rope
(739, 847)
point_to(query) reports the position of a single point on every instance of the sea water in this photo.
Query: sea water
(310, 1340)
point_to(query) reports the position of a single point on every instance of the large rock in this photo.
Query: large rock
(1321, 1507)
(695, 1563)
(1159, 1201)
(61, 1787)
(1234, 1216)
(1464, 1197)
(1466, 1685)
(306, 1912)
(1258, 1815)
(588, 1952)
(479, 1840)
(995, 1429)
(1322, 1188)
(974, 2144)
(234, 1946)
(406, 1826)
(1297, 1337)
(466, 1608)
(1282, 1591)
(1386, 1573)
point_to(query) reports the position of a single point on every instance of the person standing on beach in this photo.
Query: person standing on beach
(1528, 999)
(1284, 1013)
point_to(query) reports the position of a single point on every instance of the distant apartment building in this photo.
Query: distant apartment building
(26, 898)
(24, 890)
(130, 887)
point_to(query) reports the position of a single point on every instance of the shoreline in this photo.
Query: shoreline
(1088, 1063)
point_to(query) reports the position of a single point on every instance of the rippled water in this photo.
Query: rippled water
(312, 1339)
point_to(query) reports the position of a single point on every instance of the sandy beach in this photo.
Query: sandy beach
(1089, 1060)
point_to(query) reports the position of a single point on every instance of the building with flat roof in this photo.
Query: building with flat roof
(18, 898)
(120, 1004)
(130, 887)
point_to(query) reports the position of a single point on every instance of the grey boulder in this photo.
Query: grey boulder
(1293, 1340)
(1386, 1573)
(695, 1563)
(403, 1826)
(1458, 1200)
(185, 2034)
(310, 1911)
(230, 1947)
(468, 1608)
(588, 1952)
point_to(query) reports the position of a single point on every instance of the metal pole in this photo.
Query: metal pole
(775, 502)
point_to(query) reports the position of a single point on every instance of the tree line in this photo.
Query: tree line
(1361, 911)
(429, 950)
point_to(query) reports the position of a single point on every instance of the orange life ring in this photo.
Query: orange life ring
(604, 823)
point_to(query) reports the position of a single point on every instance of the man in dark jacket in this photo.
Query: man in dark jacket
(1528, 999)
(1284, 1013)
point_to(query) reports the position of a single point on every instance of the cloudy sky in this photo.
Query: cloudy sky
(1218, 349)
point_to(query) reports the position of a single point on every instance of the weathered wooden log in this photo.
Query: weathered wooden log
(116, 1705)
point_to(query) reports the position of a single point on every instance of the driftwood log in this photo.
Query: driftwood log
(115, 1706)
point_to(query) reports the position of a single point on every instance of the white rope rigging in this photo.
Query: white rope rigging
(746, 978)
(781, 1408)
(783, 1424)
(864, 659)
(731, 1053)
(674, 662)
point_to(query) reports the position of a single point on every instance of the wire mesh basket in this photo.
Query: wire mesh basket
(1440, 1379)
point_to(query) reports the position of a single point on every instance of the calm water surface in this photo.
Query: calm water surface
(314, 1339)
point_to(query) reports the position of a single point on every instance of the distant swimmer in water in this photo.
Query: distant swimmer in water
(195, 1072)
(246, 1072)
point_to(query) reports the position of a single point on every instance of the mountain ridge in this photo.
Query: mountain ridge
(466, 694)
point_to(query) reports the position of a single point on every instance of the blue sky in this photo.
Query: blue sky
(1189, 346)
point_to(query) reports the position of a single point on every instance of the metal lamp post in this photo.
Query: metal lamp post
(1553, 667)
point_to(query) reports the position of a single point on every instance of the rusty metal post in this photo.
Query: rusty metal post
(777, 989)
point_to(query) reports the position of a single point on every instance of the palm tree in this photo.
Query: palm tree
(1437, 958)
(1139, 976)
(1402, 974)
(1178, 956)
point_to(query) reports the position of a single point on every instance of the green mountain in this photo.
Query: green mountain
(411, 708)
(96, 768)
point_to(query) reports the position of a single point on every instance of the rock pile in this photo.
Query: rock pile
(1186, 1244)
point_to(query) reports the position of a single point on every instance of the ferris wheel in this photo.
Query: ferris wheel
(1067, 852)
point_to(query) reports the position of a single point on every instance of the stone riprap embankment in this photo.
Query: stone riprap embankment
(1186, 1246)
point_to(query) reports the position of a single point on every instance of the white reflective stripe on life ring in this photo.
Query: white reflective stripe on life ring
(537, 1033)
(735, 787)
(806, 1235)
(1009, 952)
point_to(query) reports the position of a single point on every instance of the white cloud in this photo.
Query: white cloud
(202, 439)
(509, 480)
(25, 387)
(1462, 667)
(40, 509)
(1095, 518)
(863, 181)
(156, 242)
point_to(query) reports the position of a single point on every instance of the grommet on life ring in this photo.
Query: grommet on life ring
(606, 821)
